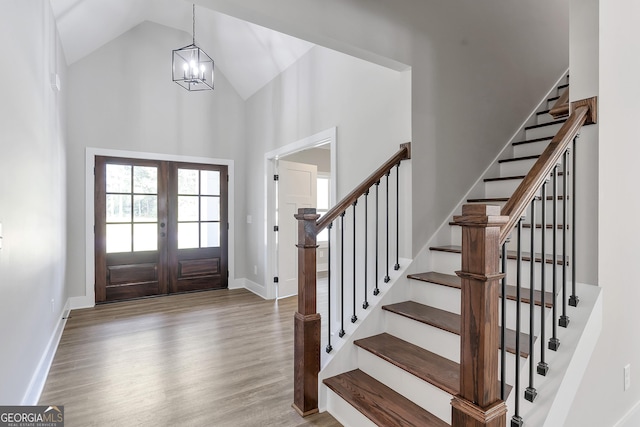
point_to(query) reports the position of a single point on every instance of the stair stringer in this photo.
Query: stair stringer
(567, 366)
(343, 358)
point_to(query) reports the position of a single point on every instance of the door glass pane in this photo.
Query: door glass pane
(118, 238)
(210, 234)
(210, 209)
(188, 235)
(118, 208)
(188, 208)
(145, 179)
(210, 183)
(145, 208)
(145, 237)
(118, 178)
(188, 181)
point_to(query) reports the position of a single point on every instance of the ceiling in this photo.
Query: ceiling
(248, 55)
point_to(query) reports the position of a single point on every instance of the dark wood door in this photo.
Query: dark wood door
(198, 223)
(150, 239)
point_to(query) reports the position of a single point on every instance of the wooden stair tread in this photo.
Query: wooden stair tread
(453, 281)
(542, 125)
(379, 403)
(543, 112)
(513, 177)
(450, 322)
(504, 178)
(553, 98)
(538, 226)
(506, 199)
(430, 367)
(526, 256)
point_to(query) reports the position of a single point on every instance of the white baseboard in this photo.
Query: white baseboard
(39, 378)
(254, 287)
(81, 302)
(631, 418)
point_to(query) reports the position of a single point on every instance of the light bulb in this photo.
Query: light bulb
(202, 67)
(185, 67)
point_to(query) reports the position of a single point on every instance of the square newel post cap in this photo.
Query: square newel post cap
(307, 214)
(481, 216)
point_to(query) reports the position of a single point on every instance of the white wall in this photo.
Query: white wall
(32, 198)
(369, 105)
(122, 97)
(478, 68)
(601, 400)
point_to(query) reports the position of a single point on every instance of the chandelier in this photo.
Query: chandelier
(192, 67)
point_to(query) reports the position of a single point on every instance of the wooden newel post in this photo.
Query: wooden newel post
(306, 350)
(479, 404)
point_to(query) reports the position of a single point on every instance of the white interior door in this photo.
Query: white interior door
(297, 186)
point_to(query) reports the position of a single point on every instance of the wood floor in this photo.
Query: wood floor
(217, 358)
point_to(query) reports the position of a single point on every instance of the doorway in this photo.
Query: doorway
(161, 227)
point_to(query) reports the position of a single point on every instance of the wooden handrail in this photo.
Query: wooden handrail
(404, 153)
(561, 107)
(530, 185)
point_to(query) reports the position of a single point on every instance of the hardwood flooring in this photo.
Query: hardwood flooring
(218, 358)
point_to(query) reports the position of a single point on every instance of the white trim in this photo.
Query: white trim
(321, 138)
(631, 418)
(254, 287)
(36, 385)
(88, 300)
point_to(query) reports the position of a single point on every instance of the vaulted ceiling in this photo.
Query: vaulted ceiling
(247, 54)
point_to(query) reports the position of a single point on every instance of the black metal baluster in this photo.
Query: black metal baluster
(341, 332)
(516, 420)
(503, 326)
(573, 299)
(554, 342)
(397, 266)
(530, 393)
(365, 304)
(376, 291)
(564, 319)
(329, 322)
(354, 318)
(386, 277)
(543, 368)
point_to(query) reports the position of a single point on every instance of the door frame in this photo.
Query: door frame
(321, 138)
(88, 300)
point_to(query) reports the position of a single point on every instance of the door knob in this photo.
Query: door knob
(162, 224)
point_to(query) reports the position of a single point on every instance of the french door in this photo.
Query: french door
(161, 227)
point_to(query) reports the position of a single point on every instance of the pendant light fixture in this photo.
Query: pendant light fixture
(192, 67)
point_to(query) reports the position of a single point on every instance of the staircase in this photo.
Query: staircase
(408, 374)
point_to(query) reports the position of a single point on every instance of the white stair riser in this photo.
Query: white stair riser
(346, 414)
(420, 392)
(544, 118)
(443, 343)
(521, 167)
(542, 132)
(501, 188)
(507, 187)
(531, 148)
(445, 262)
(524, 316)
(525, 274)
(437, 296)
(550, 104)
(526, 241)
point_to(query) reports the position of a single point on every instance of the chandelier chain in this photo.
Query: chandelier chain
(193, 23)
